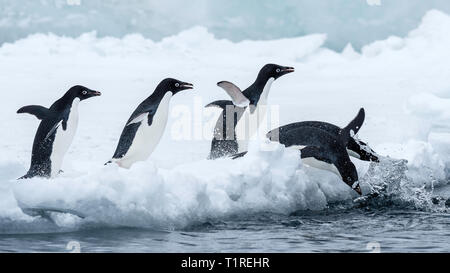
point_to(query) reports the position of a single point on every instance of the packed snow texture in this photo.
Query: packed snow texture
(401, 82)
(358, 21)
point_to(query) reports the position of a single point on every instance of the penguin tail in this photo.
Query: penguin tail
(239, 155)
(222, 104)
(107, 163)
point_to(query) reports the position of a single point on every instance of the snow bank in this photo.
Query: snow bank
(401, 82)
(147, 196)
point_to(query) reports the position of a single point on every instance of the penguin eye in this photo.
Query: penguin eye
(177, 85)
(84, 92)
(278, 70)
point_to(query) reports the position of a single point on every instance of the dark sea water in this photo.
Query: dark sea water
(332, 230)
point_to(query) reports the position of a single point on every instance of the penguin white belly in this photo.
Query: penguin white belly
(249, 123)
(63, 139)
(312, 162)
(147, 137)
(244, 128)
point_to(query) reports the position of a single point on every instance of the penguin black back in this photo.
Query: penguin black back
(358, 147)
(324, 147)
(323, 142)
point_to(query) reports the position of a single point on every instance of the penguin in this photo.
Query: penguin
(55, 132)
(145, 127)
(355, 147)
(240, 118)
(323, 149)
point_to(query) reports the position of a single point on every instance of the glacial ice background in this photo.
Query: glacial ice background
(359, 22)
(402, 81)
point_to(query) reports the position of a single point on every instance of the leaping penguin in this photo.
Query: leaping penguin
(55, 132)
(355, 147)
(323, 148)
(241, 117)
(146, 125)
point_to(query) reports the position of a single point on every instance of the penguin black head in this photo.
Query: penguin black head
(349, 175)
(82, 92)
(173, 85)
(274, 71)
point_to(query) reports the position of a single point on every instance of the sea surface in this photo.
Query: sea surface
(337, 229)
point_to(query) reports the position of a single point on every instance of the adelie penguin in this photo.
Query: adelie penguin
(326, 146)
(241, 117)
(355, 147)
(55, 132)
(146, 125)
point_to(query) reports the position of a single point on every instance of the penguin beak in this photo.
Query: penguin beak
(287, 70)
(95, 93)
(186, 85)
(357, 188)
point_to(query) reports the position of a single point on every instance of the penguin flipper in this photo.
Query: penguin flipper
(235, 93)
(222, 104)
(363, 150)
(38, 111)
(54, 128)
(61, 122)
(353, 127)
(138, 117)
(316, 152)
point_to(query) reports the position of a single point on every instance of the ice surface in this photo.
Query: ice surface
(358, 22)
(402, 82)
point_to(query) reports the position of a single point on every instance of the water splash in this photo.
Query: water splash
(390, 186)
